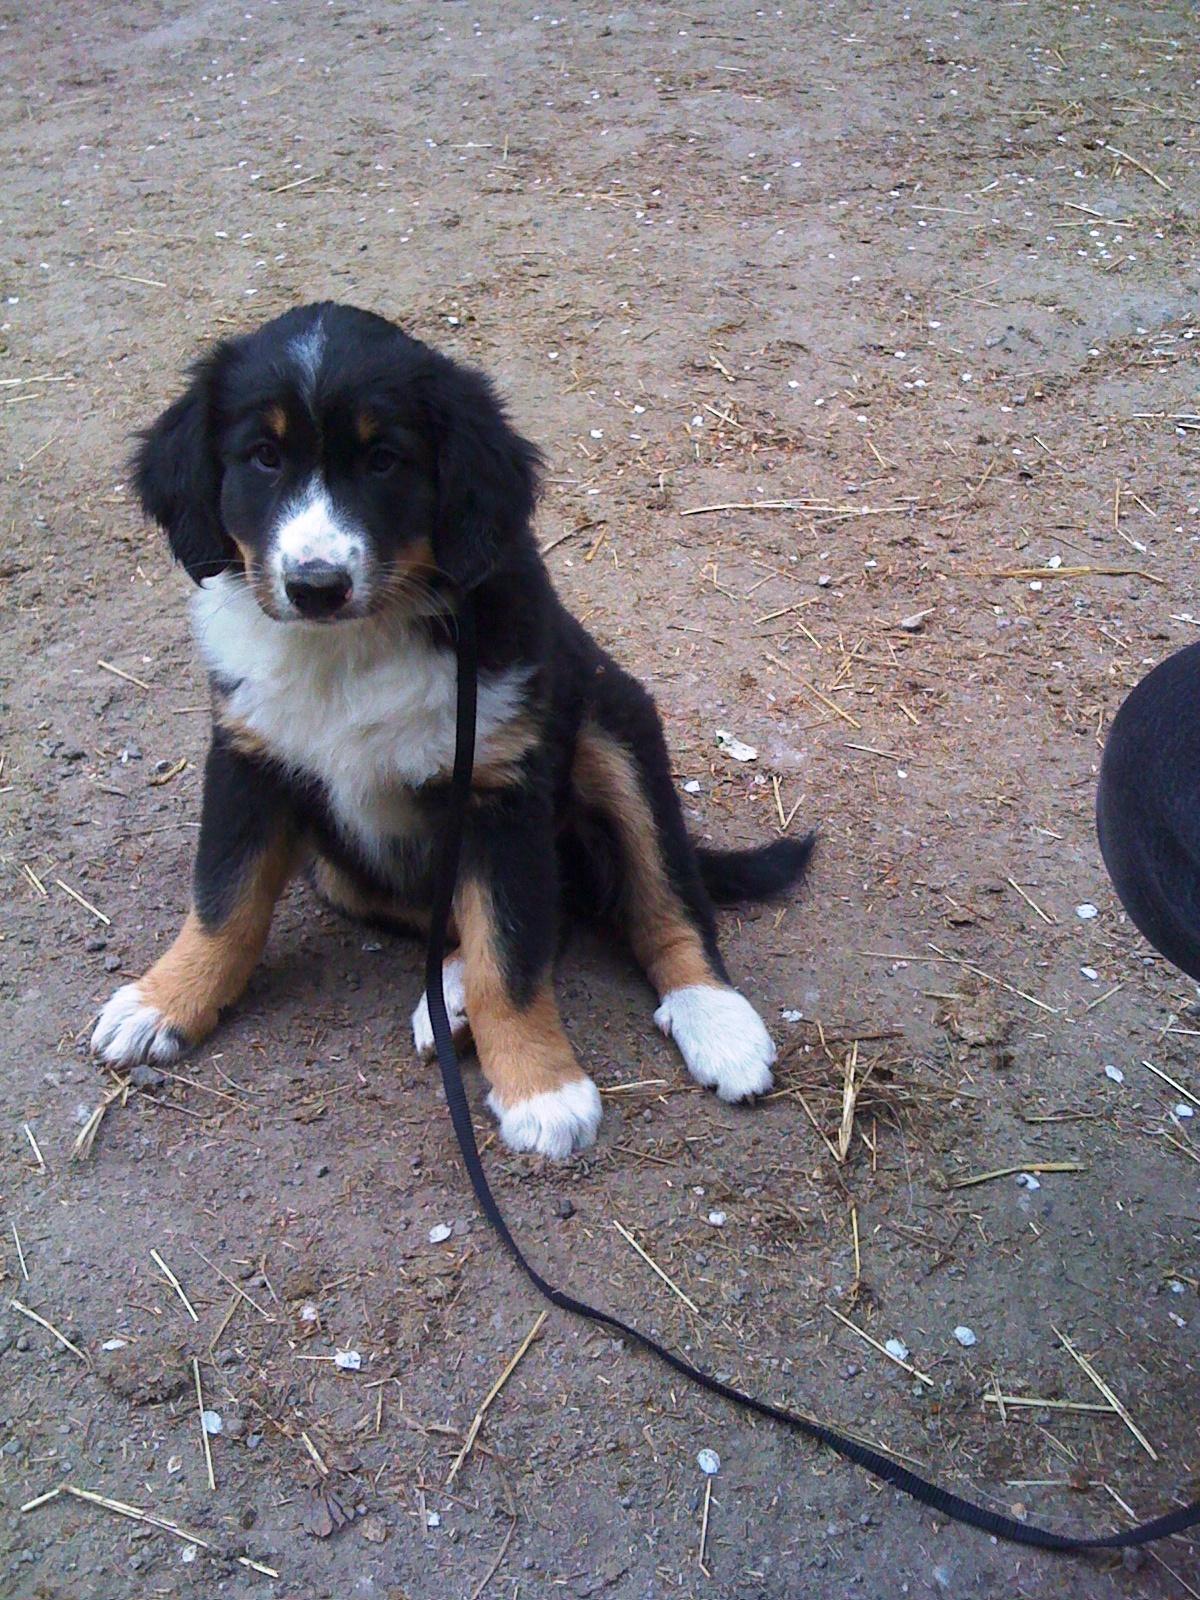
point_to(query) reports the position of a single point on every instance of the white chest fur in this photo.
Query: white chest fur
(365, 707)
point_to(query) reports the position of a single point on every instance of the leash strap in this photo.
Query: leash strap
(944, 1502)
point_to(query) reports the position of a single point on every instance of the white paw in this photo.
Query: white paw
(721, 1037)
(130, 1031)
(456, 1008)
(554, 1123)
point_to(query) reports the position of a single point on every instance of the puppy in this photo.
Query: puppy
(329, 484)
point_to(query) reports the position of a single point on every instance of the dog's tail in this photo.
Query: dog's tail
(761, 874)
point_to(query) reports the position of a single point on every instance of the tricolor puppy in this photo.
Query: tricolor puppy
(329, 484)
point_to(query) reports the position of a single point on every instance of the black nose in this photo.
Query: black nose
(317, 588)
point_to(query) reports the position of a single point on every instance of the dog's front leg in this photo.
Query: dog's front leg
(506, 908)
(249, 847)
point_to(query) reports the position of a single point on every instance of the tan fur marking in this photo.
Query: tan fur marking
(663, 939)
(365, 426)
(247, 556)
(506, 748)
(523, 1050)
(207, 968)
(275, 421)
(340, 891)
(240, 734)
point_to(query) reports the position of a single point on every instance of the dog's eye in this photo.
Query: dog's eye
(380, 460)
(266, 456)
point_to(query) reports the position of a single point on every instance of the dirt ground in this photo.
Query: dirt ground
(913, 294)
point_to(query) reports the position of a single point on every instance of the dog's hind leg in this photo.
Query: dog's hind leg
(249, 848)
(622, 771)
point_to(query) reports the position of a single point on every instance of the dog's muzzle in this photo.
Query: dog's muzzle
(317, 589)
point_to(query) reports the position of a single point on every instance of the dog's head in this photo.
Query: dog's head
(344, 466)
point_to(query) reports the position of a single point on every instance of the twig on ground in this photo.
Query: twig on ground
(1166, 1078)
(127, 676)
(704, 1526)
(33, 1144)
(236, 1287)
(654, 1266)
(84, 1143)
(20, 1252)
(50, 1328)
(1033, 1402)
(1083, 1362)
(86, 904)
(175, 1284)
(1011, 1172)
(212, 1482)
(883, 1350)
(477, 1420)
(1031, 903)
(135, 1513)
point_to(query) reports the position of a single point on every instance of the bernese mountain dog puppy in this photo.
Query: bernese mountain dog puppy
(330, 484)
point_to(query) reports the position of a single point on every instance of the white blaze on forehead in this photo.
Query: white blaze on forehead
(311, 530)
(307, 348)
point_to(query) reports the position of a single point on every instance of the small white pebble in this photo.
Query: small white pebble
(709, 1463)
(699, 1190)
(440, 1233)
(897, 1348)
(735, 747)
(114, 1344)
(1090, 974)
(188, 1554)
(792, 1016)
(212, 1422)
(433, 1519)
(1086, 911)
(347, 1360)
(1175, 1286)
(1177, 1319)
(1113, 1073)
(1026, 1180)
(965, 1336)
(1036, 585)
(692, 786)
(1180, 1111)
(717, 1219)
(308, 1312)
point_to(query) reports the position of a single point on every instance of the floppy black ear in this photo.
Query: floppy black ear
(487, 478)
(178, 479)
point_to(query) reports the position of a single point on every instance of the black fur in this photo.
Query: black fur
(247, 807)
(177, 476)
(444, 471)
(1148, 808)
(762, 874)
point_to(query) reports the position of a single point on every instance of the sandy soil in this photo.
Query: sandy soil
(921, 281)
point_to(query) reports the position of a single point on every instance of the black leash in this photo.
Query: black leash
(943, 1501)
